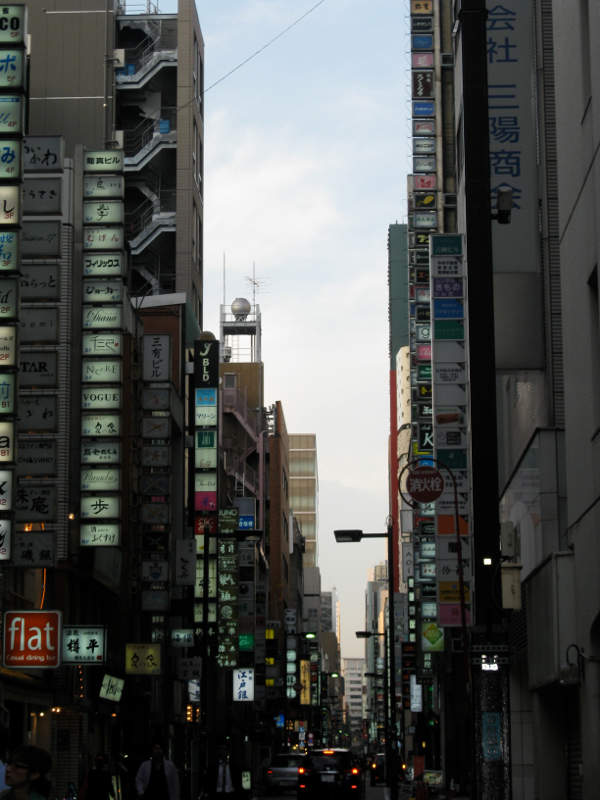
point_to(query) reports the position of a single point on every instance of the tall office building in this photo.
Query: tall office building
(304, 491)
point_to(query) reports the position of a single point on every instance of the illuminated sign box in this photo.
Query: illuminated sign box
(101, 397)
(13, 24)
(103, 161)
(103, 186)
(105, 212)
(11, 113)
(243, 685)
(7, 346)
(6, 490)
(105, 480)
(142, 659)
(100, 506)
(100, 371)
(5, 533)
(7, 441)
(107, 534)
(100, 452)
(102, 291)
(112, 688)
(9, 250)
(8, 298)
(11, 161)
(83, 645)
(182, 637)
(103, 264)
(206, 449)
(102, 344)
(7, 394)
(101, 317)
(13, 74)
(32, 639)
(103, 238)
(100, 425)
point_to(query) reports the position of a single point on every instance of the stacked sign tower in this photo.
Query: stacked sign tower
(12, 114)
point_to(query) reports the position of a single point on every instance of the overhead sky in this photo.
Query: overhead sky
(306, 154)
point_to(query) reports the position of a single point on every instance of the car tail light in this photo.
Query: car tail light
(269, 772)
(327, 752)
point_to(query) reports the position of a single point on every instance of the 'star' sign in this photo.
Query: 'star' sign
(32, 639)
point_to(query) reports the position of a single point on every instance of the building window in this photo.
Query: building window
(230, 380)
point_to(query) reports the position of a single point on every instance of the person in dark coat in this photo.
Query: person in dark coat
(98, 782)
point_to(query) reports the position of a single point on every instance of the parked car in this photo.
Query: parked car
(377, 768)
(330, 771)
(282, 773)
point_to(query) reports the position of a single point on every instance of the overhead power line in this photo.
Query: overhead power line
(264, 47)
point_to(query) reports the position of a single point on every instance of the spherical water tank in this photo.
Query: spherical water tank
(240, 308)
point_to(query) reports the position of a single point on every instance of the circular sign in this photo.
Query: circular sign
(425, 484)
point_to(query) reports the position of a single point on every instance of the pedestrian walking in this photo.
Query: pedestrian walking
(224, 780)
(157, 777)
(97, 784)
(26, 774)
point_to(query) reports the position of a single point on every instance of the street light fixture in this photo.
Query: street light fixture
(353, 535)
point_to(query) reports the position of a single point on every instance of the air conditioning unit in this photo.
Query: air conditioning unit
(119, 58)
(447, 60)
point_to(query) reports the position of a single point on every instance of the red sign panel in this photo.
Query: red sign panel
(32, 639)
(425, 484)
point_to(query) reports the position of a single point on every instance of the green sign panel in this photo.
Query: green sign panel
(446, 244)
(448, 329)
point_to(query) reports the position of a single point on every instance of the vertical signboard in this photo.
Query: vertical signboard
(450, 398)
(512, 126)
(101, 323)
(205, 488)
(13, 89)
(423, 220)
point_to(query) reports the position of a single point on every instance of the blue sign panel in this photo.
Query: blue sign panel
(246, 522)
(423, 41)
(423, 108)
(448, 308)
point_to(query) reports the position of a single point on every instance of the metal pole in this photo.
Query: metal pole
(393, 766)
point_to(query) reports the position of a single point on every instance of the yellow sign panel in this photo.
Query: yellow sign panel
(421, 7)
(449, 592)
(304, 683)
(142, 659)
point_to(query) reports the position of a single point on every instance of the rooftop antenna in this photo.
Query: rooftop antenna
(256, 283)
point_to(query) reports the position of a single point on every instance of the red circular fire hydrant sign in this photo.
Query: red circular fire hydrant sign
(425, 484)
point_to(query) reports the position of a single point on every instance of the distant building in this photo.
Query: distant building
(352, 672)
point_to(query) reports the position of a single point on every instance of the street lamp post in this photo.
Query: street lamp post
(387, 700)
(356, 536)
